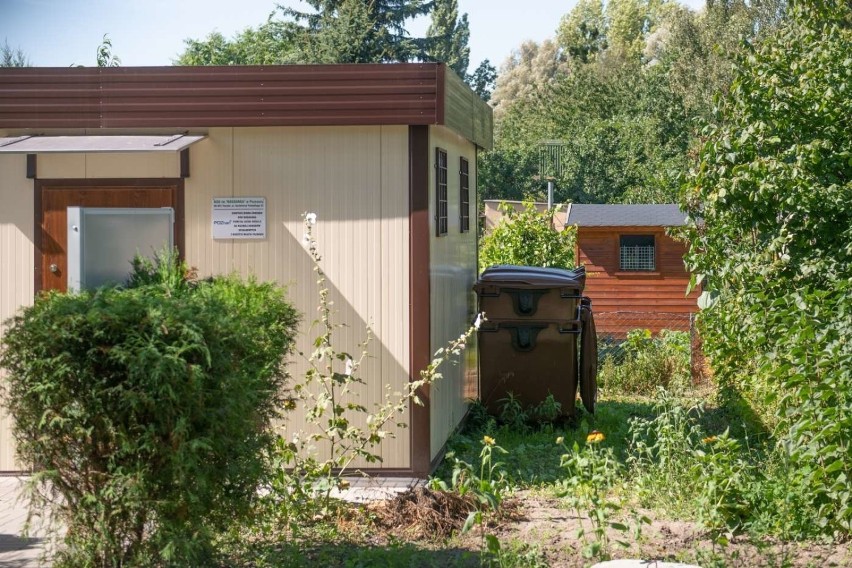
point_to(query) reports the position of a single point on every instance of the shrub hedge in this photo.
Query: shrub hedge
(145, 410)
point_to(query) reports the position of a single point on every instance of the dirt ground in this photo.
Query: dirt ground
(545, 524)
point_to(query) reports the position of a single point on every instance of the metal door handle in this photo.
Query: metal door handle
(54, 268)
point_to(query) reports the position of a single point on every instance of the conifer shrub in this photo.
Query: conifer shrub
(144, 411)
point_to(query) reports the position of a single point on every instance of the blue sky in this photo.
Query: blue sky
(59, 33)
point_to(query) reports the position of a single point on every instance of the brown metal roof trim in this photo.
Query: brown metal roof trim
(199, 97)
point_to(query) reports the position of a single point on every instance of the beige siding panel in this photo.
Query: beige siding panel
(393, 293)
(355, 179)
(452, 275)
(17, 256)
(109, 165)
(212, 175)
(59, 166)
(141, 165)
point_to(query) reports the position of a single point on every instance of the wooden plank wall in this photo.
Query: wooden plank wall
(642, 298)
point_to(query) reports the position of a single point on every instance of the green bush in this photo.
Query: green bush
(642, 363)
(527, 238)
(145, 410)
(773, 189)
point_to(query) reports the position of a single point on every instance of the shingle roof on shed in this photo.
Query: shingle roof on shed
(666, 215)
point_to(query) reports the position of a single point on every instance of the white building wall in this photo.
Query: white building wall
(354, 178)
(17, 261)
(452, 275)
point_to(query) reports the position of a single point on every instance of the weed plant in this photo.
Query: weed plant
(590, 474)
(643, 362)
(533, 460)
(729, 485)
(487, 487)
(670, 455)
(679, 467)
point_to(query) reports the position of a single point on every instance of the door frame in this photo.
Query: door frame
(177, 184)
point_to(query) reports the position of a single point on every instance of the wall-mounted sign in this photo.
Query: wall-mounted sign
(239, 217)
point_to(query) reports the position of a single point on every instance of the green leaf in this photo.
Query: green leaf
(493, 544)
(474, 517)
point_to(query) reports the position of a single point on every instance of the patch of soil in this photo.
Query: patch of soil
(554, 528)
(427, 517)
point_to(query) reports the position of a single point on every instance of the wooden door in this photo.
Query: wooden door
(54, 197)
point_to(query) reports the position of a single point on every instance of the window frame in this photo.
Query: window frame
(441, 193)
(464, 195)
(653, 247)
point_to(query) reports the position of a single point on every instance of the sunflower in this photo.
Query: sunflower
(595, 437)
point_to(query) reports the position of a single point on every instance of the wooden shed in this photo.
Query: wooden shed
(385, 155)
(635, 274)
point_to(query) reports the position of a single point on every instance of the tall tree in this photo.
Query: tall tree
(698, 48)
(621, 26)
(529, 68)
(357, 31)
(482, 79)
(582, 32)
(270, 43)
(632, 77)
(623, 135)
(448, 36)
(10, 57)
(627, 25)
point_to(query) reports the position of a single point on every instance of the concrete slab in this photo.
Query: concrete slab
(367, 489)
(16, 551)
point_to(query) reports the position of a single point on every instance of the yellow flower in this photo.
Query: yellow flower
(595, 437)
(488, 441)
(560, 439)
(709, 439)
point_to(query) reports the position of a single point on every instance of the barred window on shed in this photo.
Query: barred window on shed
(636, 252)
(441, 191)
(464, 195)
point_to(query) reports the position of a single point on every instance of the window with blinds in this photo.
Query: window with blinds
(464, 195)
(441, 191)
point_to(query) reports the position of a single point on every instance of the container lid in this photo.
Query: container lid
(533, 276)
